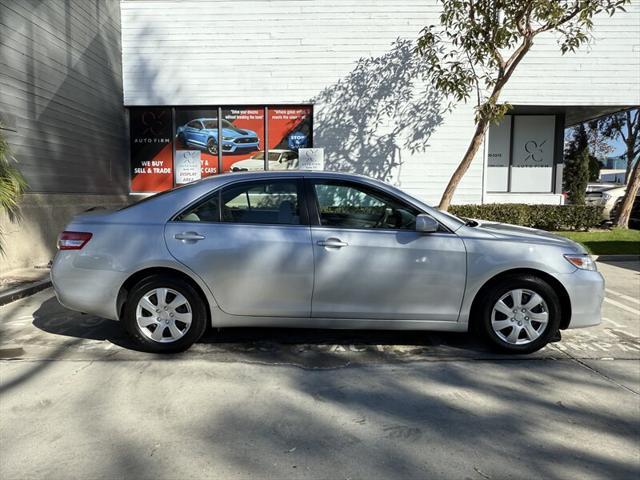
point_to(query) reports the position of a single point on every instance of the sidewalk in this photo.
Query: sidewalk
(23, 282)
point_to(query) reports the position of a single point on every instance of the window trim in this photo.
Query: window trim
(314, 209)
(304, 214)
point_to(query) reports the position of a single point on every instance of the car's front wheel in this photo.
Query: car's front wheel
(520, 314)
(212, 146)
(164, 314)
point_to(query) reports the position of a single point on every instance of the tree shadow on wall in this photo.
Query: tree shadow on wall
(384, 107)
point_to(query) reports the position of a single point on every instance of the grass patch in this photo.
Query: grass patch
(608, 242)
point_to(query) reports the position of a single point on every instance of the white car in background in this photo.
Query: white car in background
(605, 195)
(278, 160)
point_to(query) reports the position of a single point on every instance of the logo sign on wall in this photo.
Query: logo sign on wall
(188, 166)
(311, 159)
(151, 149)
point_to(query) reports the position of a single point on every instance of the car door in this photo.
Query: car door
(194, 133)
(251, 243)
(371, 263)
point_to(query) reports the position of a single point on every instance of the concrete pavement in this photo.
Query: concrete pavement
(77, 402)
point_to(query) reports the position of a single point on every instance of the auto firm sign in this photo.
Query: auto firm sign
(311, 159)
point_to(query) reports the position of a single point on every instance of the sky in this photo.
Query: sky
(618, 144)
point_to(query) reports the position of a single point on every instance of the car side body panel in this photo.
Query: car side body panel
(131, 240)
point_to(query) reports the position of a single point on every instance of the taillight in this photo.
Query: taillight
(73, 240)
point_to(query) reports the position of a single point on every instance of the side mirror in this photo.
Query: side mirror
(426, 224)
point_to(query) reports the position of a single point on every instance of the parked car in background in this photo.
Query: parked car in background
(605, 195)
(319, 250)
(634, 217)
(202, 133)
(278, 160)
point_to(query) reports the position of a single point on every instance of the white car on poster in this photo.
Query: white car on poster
(279, 159)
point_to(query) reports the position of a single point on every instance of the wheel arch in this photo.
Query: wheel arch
(565, 301)
(134, 278)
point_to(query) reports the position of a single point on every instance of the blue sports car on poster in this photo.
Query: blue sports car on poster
(202, 133)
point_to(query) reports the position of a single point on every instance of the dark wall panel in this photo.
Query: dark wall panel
(61, 94)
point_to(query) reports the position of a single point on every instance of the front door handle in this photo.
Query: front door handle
(332, 243)
(189, 236)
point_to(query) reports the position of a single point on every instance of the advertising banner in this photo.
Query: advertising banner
(191, 135)
(242, 139)
(151, 149)
(289, 128)
(197, 130)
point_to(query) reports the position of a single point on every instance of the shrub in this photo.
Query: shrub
(576, 177)
(545, 217)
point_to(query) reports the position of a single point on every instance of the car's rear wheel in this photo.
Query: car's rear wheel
(520, 314)
(212, 146)
(164, 314)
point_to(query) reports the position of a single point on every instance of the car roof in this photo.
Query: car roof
(286, 173)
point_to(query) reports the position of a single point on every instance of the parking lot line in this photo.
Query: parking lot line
(622, 295)
(621, 306)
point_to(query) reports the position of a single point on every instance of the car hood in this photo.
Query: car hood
(235, 133)
(526, 234)
(250, 163)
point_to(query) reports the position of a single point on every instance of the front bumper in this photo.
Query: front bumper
(586, 293)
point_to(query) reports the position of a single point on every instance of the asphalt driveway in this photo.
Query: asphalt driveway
(78, 402)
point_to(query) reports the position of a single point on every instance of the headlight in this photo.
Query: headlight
(606, 197)
(227, 138)
(581, 261)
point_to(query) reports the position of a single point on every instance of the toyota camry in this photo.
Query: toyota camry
(319, 250)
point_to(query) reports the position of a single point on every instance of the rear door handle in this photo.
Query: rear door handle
(332, 243)
(189, 236)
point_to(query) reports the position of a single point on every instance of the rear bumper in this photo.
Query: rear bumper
(586, 293)
(82, 287)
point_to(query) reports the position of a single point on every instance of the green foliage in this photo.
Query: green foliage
(617, 241)
(12, 183)
(594, 168)
(478, 44)
(576, 177)
(545, 217)
(579, 141)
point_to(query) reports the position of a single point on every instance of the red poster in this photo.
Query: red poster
(151, 149)
(242, 139)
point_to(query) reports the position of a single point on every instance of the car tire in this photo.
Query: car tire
(212, 146)
(514, 330)
(182, 324)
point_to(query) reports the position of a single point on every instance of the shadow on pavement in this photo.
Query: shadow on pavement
(629, 265)
(310, 347)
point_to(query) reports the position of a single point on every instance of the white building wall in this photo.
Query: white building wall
(340, 55)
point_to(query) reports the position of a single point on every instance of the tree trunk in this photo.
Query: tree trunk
(629, 197)
(629, 160)
(476, 140)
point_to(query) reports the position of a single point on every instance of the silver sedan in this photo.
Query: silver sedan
(319, 250)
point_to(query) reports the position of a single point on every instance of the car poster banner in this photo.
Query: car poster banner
(151, 149)
(242, 138)
(190, 134)
(197, 131)
(289, 130)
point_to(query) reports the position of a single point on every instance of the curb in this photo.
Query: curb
(16, 293)
(617, 258)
